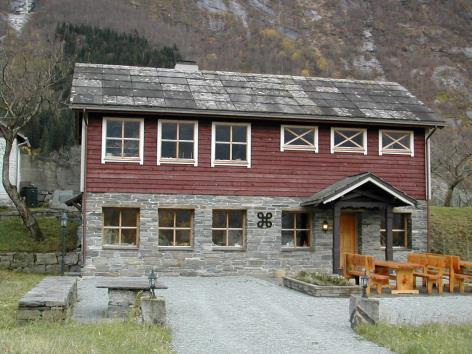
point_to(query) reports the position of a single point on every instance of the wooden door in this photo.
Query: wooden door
(348, 235)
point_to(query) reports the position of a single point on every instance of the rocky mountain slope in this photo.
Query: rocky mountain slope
(423, 44)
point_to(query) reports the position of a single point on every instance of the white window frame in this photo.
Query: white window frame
(410, 152)
(164, 160)
(335, 148)
(140, 158)
(285, 147)
(215, 162)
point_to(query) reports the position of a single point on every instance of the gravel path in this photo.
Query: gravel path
(248, 315)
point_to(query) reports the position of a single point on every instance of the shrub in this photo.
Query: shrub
(322, 279)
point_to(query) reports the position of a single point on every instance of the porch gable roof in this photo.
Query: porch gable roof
(351, 183)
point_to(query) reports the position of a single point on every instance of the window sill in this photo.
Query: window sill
(397, 248)
(349, 152)
(175, 248)
(296, 249)
(121, 161)
(228, 248)
(406, 153)
(231, 163)
(120, 248)
(299, 149)
(177, 162)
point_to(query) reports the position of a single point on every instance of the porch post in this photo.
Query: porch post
(389, 233)
(336, 239)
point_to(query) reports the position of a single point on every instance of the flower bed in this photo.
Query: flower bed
(321, 284)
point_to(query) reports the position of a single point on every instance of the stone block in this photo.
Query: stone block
(71, 258)
(22, 259)
(46, 258)
(53, 268)
(363, 311)
(153, 311)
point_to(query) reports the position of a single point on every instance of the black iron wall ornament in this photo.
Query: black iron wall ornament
(264, 220)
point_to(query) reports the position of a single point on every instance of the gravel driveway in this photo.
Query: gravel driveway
(249, 315)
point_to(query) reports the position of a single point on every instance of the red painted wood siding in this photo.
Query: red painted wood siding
(273, 173)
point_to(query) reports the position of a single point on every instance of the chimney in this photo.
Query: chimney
(186, 65)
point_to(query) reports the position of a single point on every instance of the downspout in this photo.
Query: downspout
(428, 188)
(83, 182)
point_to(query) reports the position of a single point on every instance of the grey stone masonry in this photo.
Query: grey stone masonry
(262, 253)
(52, 299)
(49, 263)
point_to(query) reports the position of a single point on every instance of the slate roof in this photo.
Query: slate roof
(126, 88)
(345, 185)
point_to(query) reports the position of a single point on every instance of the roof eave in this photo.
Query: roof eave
(255, 115)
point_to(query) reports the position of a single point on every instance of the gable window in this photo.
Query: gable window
(175, 227)
(401, 230)
(296, 230)
(231, 144)
(177, 142)
(120, 226)
(228, 228)
(349, 140)
(299, 138)
(123, 140)
(396, 142)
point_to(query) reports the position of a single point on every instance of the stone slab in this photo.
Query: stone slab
(321, 291)
(51, 291)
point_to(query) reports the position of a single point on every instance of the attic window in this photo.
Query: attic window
(122, 140)
(396, 142)
(299, 138)
(349, 140)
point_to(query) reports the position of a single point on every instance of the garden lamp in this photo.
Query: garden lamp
(364, 280)
(152, 283)
(64, 220)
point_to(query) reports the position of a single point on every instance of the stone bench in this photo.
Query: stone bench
(52, 299)
(122, 293)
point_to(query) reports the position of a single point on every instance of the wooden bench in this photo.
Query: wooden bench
(434, 268)
(52, 299)
(457, 276)
(122, 292)
(356, 265)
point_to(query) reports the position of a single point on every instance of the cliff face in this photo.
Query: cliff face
(423, 44)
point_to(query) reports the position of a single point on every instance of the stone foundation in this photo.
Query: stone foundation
(262, 255)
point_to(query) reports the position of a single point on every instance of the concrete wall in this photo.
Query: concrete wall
(14, 173)
(263, 253)
(49, 175)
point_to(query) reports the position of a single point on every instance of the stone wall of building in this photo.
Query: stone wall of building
(263, 253)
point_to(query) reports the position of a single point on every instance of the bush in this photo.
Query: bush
(322, 279)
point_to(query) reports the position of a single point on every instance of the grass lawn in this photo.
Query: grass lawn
(433, 338)
(15, 237)
(452, 231)
(69, 338)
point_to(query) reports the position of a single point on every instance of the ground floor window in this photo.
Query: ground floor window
(296, 230)
(120, 226)
(228, 228)
(401, 230)
(175, 227)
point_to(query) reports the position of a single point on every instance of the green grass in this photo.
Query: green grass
(452, 231)
(14, 236)
(432, 338)
(69, 338)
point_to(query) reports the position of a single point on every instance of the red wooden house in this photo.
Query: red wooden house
(194, 172)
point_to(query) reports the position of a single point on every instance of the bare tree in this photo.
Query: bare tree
(452, 158)
(28, 75)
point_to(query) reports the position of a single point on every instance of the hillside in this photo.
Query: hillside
(424, 45)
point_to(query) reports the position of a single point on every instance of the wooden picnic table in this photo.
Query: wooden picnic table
(465, 264)
(403, 274)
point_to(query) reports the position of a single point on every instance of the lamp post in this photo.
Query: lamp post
(364, 280)
(64, 220)
(152, 283)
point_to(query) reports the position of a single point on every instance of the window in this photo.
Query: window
(396, 142)
(299, 138)
(175, 227)
(349, 140)
(123, 140)
(228, 228)
(296, 230)
(120, 226)
(177, 142)
(231, 144)
(400, 229)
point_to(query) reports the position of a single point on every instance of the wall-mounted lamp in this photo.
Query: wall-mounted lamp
(325, 226)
